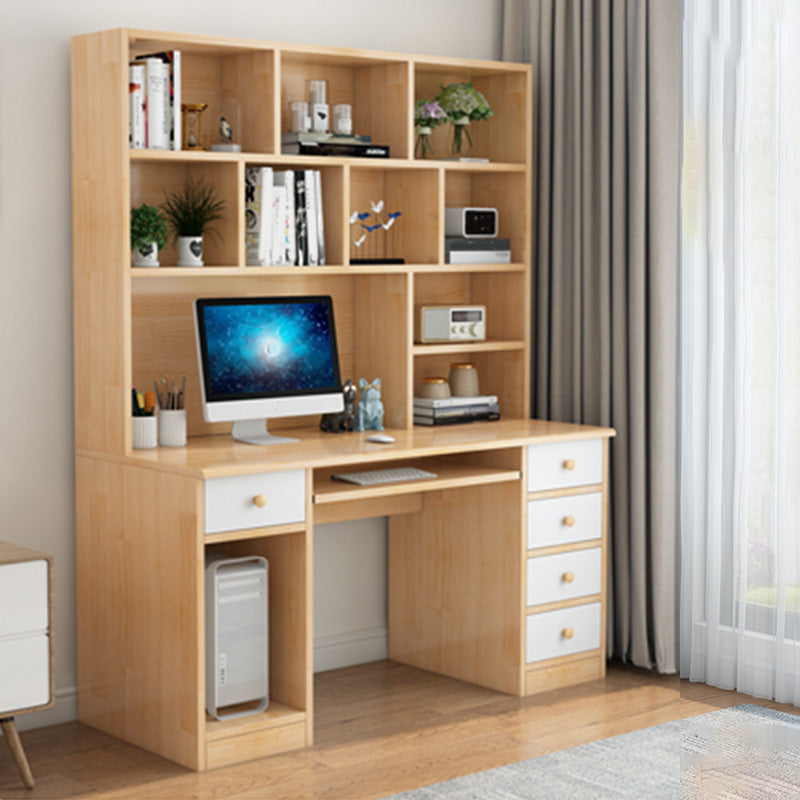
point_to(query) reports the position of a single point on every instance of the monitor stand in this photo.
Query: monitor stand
(254, 431)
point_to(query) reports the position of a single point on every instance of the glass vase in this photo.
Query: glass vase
(462, 142)
(423, 148)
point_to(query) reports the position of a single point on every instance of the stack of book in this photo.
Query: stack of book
(330, 144)
(453, 410)
(283, 217)
(154, 90)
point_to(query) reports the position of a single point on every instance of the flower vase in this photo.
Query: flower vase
(423, 148)
(458, 146)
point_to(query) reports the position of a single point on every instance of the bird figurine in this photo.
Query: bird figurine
(225, 130)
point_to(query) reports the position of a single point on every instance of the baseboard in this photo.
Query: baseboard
(330, 652)
(350, 647)
(65, 709)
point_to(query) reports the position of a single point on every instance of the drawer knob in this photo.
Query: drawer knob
(259, 500)
(568, 577)
(569, 521)
(568, 633)
(569, 464)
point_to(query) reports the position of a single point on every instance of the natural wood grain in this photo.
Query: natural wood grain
(17, 751)
(454, 593)
(381, 728)
(141, 659)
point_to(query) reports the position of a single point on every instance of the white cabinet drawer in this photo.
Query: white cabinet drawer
(23, 597)
(561, 633)
(558, 465)
(255, 501)
(564, 576)
(561, 520)
(24, 672)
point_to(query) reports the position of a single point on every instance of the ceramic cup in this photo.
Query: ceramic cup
(144, 433)
(463, 380)
(436, 388)
(172, 428)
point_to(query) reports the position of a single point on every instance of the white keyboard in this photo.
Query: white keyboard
(374, 477)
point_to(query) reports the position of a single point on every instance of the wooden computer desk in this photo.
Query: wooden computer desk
(496, 569)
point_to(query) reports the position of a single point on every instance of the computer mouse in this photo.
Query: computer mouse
(380, 438)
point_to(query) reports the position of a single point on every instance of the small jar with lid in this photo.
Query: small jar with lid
(435, 388)
(464, 380)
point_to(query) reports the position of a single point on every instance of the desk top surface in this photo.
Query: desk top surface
(214, 456)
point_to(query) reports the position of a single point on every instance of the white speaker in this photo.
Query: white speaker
(237, 635)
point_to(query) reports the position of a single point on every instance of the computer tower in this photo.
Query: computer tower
(237, 635)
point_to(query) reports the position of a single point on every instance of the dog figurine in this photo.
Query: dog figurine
(369, 414)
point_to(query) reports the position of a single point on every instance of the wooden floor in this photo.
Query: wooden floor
(380, 728)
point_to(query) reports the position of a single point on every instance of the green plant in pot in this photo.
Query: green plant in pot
(149, 232)
(190, 211)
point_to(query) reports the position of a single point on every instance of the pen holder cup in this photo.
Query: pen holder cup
(145, 433)
(172, 428)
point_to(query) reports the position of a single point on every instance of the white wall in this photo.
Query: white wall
(36, 443)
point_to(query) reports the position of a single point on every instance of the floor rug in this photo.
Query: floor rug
(742, 753)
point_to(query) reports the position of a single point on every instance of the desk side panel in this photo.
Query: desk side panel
(454, 586)
(140, 565)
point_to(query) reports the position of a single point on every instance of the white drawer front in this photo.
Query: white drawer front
(23, 597)
(232, 503)
(564, 576)
(561, 520)
(24, 672)
(547, 634)
(558, 465)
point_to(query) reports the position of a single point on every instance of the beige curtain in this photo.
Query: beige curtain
(605, 273)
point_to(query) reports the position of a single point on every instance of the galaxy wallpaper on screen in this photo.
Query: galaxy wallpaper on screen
(273, 348)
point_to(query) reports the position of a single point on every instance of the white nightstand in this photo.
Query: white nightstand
(26, 644)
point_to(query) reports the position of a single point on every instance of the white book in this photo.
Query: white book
(278, 224)
(285, 178)
(258, 216)
(444, 402)
(157, 103)
(137, 135)
(175, 101)
(311, 219)
(320, 220)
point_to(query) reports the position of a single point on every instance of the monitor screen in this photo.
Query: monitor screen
(267, 356)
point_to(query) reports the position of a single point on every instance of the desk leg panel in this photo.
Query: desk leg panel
(141, 673)
(454, 586)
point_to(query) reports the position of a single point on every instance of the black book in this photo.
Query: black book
(300, 218)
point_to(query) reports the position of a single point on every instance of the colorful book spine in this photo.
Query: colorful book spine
(157, 103)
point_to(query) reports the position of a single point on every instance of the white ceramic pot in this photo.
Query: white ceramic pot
(190, 251)
(148, 257)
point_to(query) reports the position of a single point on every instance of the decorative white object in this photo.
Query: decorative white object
(144, 433)
(148, 257)
(172, 427)
(190, 251)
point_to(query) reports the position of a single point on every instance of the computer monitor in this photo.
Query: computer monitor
(263, 357)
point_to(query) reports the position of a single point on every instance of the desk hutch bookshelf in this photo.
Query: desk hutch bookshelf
(488, 563)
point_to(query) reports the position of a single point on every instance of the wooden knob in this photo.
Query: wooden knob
(259, 500)
(568, 577)
(568, 633)
(569, 521)
(569, 464)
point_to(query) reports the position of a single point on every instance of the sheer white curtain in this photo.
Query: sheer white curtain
(740, 346)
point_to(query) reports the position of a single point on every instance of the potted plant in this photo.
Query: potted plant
(149, 231)
(462, 103)
(190, 211)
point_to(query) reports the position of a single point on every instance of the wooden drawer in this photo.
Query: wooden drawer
(564, 576)
(24, 672)
(23, 598)
(563, 520)
(559, 465)
(546, 633)
(255, 501)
